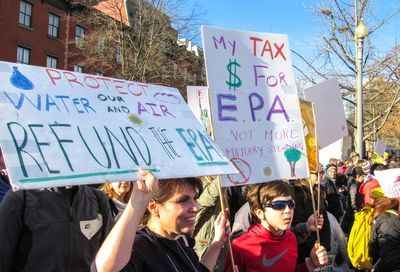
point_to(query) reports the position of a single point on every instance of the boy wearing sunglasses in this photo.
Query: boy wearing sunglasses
(269, 245)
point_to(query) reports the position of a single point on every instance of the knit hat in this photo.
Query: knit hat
(357, 171)
(366, 166)
(331, 165)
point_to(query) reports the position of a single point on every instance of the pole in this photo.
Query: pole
(360, 132)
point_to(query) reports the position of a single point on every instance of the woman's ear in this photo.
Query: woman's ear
(260, 214)
(152, 207)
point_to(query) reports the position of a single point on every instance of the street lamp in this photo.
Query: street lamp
(360, 34)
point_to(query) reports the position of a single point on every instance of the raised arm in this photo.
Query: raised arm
(116, 250)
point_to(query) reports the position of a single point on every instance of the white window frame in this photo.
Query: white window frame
(23, 55)
(78, 68)
(51, 62)
(54, 25)
(25, 13)
(79, 36)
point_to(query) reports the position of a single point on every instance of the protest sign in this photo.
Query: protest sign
(199, 102)
(254, 105)
(380, 147)
(389, 180)
(329, 112)
(307, 113)
(62, 128)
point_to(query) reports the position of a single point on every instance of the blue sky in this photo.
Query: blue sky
(292, 17)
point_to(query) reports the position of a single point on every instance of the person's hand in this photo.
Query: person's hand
(222, 229)
(143, 190)
(314, 221)
(319, 256)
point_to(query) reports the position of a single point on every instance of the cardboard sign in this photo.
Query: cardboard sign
(380, 147)
(62, 128)
(329, 112)
(199, 102)
(307, 113)
(254, 105)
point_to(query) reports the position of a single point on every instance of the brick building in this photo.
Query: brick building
(39, 33)
(46, 33)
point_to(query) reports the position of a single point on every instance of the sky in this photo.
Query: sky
(291, 17)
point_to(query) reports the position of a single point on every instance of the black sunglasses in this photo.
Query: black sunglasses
(280, 204)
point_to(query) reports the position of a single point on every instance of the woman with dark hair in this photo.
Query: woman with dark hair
(385, 237)
(171, 208)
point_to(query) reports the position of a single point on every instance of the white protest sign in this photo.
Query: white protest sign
(329, 111)
(389, 180)
(62, 128)
(380, 147)
(254, 105)
(199, 102)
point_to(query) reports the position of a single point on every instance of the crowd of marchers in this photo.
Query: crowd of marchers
(182, 224)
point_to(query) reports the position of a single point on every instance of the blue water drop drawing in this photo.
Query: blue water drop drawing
(20, 81)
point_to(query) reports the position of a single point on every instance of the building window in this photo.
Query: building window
(118, 56)
(52, 62)
(54, 25)
(101, 46)
(23, 55)
(78, 69)
(25, 13)
(79, 35)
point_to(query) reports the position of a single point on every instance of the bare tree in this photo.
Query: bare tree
(336, 57)
(137, 40)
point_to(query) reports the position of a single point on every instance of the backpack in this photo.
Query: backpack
(360, 236)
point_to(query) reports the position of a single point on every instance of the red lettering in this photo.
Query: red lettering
(91, 86)
(117, 87)
(51, 76)
(279, 50)
(72, 79)
(255, 40)
(267, 48)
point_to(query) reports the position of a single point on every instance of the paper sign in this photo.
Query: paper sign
(199, 102)
(307, 114)
(62, 128)
(380, 147)
(329, 111)
(389, 180)
(254, 105)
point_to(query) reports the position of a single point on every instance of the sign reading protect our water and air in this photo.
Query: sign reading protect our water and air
(254, 105)
(62, 128)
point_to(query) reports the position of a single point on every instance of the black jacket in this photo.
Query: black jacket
(54, 229)
(155, 253)
(332, 198)
(302, 212)
(385, 242)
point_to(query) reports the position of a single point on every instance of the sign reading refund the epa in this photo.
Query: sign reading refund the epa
(254, 105)
(62, 128)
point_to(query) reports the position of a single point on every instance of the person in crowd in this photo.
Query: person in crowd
(338, 245)
(210, 208)
(385, 237)
(169, 208)
(4, 181)
(354, 199)
(333, 190)
(353, 162)
(269, 245)
(4, 184)
(370, 183)
(304, 209)
(118, 194)
(53, 229)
